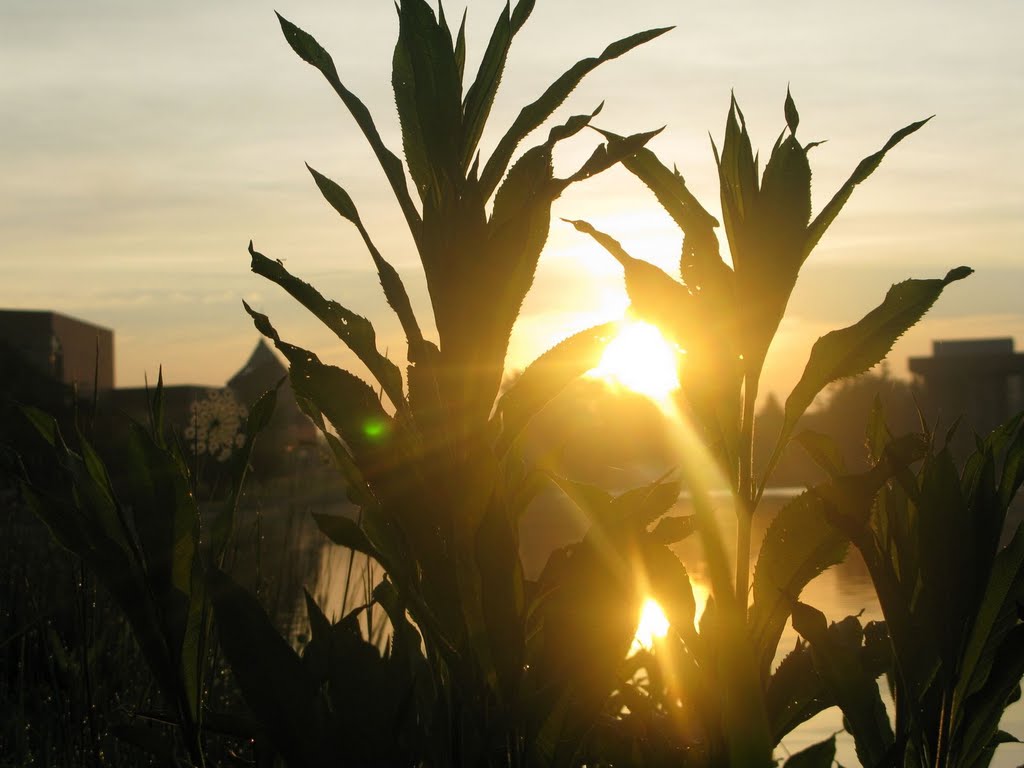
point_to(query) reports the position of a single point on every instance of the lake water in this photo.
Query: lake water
(839, 592)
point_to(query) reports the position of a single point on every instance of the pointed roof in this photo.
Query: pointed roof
(261, 371)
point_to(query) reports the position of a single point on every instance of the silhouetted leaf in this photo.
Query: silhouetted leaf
(428, 93)
(995, 616)
(818, 755)
(605, 156)
(856, 348)
(273, 680)
(534, 114)
(798, 545)
(259, 418)
(864, 169)
(794, 692)
(792, 116)
(347, 533)
(548, 375)
(310, 51)
(823, 450)
(673, 528)
(345, 400)
(480, 96)
(356, 331)
(656, 297)
(394, 290)
(836, 654)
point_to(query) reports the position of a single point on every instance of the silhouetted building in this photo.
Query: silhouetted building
(66, 350)
(979, 379)
(262, 372)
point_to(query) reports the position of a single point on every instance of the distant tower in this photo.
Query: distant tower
(261, 372)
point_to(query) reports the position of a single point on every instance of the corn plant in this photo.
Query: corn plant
(725, 317)
(952, 601)
(432, 471)
(142, 542)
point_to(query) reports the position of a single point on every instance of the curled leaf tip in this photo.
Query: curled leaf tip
(958, 274)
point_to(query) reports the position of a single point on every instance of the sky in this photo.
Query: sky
(144, 144)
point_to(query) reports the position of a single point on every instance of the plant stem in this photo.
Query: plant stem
(745, 495)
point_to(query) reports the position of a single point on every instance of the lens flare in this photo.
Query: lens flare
(640, 359)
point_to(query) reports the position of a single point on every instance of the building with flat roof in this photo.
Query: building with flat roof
(68, 350)
(980, 379)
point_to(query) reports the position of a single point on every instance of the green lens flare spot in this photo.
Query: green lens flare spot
(374, 429)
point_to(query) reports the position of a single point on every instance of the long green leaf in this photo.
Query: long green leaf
(344, 399)
(259, 418)
(354, 330)
(548, 375)
(534, 114)
(428, 90)
(856, 348)
(995, 616)
(310, 51)
(700, 264)
(394, 290)
(605, 156)
(864, 169)
(818, 755)
(480, 96)
(346, 532)
(273, 680)
(799, 545)
(656, 297)
(836, 652)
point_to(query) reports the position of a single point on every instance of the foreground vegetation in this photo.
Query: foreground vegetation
(482, 665)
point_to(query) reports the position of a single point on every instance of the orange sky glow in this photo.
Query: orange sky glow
(144, 146)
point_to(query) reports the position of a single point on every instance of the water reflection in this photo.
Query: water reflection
(342, 581)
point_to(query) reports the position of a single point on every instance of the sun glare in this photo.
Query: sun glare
(653, 623)
(639, 358)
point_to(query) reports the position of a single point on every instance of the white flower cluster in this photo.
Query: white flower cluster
(215, 424)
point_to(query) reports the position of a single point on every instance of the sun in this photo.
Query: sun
(652, 624)
(640, 359)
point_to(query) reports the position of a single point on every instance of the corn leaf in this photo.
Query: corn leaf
(273, 680)
(798, 545)
(656, 297)
(794, 693)
(837, 659)
(480, 96)
(536, 113)
(818, 755)
(167, 522)
(737, 174)
(310, 51)
(548, 375)
(982, 712)
(394, 290)
(995, 616)
(856, 348)
(345, 400)
(823, 450)
(259, 418)
(346, 532)
(354, 330)
(700, 264)
(864, 169)
(428, 91)
(673, 528)
(606, 155)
